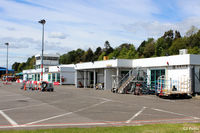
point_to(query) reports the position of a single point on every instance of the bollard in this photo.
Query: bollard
(39, 86)
(35, 85)
(25, 86)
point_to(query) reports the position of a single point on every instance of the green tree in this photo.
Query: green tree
(123, 53)
(177, 44)
(177, 35)
(15, 66)
(194, 50)
(140, 49)
(74, 56)
(68, 58)
(114, 54)
(79, 53)
(30, 63)
(193, 30)
(97, 53)
(108, 49)
(88, 55)
(131, 54)
(21, 67)
(102, 55)
(149, 50)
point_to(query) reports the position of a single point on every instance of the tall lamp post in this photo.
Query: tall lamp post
(7, 64)
(42, 22)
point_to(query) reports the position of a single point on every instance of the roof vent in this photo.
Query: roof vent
(183, 51)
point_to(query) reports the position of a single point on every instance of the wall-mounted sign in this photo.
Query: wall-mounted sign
(109, 65)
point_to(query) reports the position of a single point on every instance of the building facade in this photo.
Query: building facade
(181, 72)
(53, 72)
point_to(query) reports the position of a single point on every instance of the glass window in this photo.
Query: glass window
(58, 77)
(53, 77)
(49, 77)
(33, 77)
(38, 58)
(50, 58)
(38, 77)
(155, 74)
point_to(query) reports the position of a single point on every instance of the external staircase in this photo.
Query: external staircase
(130, 79)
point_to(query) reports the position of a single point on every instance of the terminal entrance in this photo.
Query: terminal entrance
(154, 77)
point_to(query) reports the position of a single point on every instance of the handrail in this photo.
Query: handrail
(128, 75)
(124, 79)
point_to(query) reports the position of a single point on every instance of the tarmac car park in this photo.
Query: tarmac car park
(68, 106)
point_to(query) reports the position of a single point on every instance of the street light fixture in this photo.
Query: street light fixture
(7, 64)
(42, 22)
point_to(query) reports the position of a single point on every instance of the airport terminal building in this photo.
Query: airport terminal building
(179, 71)
(53, 72)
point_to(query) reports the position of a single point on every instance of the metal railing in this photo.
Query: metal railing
(125, 78)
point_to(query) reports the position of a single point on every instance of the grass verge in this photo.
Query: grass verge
(156, 128)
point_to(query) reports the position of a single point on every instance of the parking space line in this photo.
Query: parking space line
(120, 123)
(101, 98)
(11, 121)
(134, 116)
(174, 113)
(23, 107)
(57, 116)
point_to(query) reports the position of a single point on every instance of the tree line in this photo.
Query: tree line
(168, 44)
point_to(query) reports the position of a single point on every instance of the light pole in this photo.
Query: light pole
(7, 64)
(42, 22)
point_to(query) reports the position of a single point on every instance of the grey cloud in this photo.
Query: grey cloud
(32, 45)
(156, 29)
(58, 35)
(10, 28)
(18, 43)
(56, 47)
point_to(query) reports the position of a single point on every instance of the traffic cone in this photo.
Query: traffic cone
(35, 85)
(25, 86)
(39, 86)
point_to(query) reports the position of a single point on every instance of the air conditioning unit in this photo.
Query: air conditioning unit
(183, 51)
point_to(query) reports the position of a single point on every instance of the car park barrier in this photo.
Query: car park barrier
(39, 86)
(56, 83)
(17, 81)
(35, 85)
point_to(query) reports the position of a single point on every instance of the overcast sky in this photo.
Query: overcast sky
(73, 24)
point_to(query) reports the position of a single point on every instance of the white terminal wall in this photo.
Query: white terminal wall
(176, 66)
(66, 71)
(186, 59)
(162, 61)
(104, 64)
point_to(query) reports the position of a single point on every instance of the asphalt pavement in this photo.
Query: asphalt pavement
(68, 106)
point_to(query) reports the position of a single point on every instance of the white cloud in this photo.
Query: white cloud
(82, 24)
(189, 7)
(156, 29)
(10, 28)
(58, 35)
